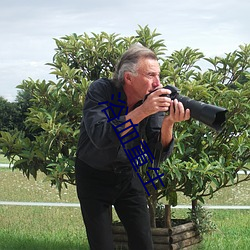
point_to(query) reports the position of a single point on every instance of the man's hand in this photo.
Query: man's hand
(177, 113)
(156, 103)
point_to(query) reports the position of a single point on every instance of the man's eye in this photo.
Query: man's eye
(151, 75)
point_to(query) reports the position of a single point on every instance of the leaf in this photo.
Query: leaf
(177, 173)
(215, 181)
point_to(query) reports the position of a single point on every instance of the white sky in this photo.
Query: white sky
(27, 29)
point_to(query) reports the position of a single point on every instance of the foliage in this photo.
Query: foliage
(206, 161)
(202, 218)
(10, 115)
(48, 141)
(23, 103)
(203, 161)
(13, 114)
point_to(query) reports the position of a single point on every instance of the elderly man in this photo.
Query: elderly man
(116, 118)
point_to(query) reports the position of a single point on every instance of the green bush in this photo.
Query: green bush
(203, 161)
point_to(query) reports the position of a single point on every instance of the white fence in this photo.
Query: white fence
(61, 204)
(2, 165)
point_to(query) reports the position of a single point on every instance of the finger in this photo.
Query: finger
(162, 92)
(181, 110)
(164, 99)
(165, 102)
(176, 108)
(187, 114)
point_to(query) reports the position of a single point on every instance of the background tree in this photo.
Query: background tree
(203, 161)
(14, 113)
(23, 103)
(10, 115)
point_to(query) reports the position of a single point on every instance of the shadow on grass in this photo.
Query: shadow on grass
(12, 242)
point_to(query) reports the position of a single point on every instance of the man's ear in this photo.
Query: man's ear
(128, 78)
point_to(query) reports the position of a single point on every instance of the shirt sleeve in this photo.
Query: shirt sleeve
(99, 129)
(153, 134)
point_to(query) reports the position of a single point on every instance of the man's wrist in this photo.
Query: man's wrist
(168, 121)
(136, 115)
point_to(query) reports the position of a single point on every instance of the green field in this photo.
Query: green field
(54, 228)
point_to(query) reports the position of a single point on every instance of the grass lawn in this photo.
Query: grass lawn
(45, 228)
(61, 228)
(35, 228)
(233, 231)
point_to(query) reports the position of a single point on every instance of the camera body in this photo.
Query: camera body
(174, 92)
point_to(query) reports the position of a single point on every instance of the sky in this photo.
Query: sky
(27, 29)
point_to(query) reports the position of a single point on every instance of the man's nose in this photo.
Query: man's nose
(157, 82)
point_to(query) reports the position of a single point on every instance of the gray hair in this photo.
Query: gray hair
(129, 61)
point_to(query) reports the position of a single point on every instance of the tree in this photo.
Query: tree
(23, 104)
(10, 115)
(13, 114)
(203, 161)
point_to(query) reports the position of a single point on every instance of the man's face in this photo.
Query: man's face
(147, 78)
